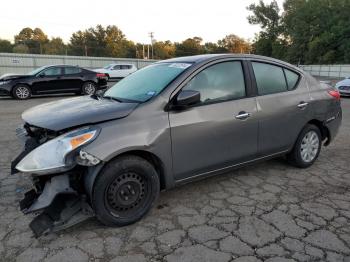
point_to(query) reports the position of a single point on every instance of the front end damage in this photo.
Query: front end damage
(59, 197)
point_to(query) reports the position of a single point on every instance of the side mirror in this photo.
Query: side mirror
(187, 98)
(41, 75)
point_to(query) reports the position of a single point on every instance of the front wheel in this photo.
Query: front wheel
(89, 88)
(307, 147)
(21, 92)
(125, 191)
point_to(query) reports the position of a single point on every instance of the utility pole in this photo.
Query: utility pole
(151, 35)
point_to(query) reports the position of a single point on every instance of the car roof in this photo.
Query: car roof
(211, 57)
(121, 64)
(47, 66)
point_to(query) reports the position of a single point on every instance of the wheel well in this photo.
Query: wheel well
(154, 160)
(323, 129)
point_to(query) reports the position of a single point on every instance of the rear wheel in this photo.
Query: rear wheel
(307, 148)
(21, 92)
(125, 191)
(89, 88)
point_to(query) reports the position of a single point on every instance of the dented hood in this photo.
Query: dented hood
(66, 113)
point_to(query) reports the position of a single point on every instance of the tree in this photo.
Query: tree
(191, 46)
(55, 47)
(33, 39)
(77, 45)
(214, 48)
(5, 46)
(21, 49)
(164, 50)
(319, 30)
(267, 16)
(234, 44)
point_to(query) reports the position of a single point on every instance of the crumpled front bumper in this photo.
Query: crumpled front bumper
(59, 200)
(57, 204)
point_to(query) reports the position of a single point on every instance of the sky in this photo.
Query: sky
(169, 20)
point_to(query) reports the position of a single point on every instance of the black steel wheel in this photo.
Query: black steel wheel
(125, 191)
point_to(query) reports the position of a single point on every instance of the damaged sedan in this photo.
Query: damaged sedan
(109, 155)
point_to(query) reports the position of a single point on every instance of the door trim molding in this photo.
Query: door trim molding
(213, 172)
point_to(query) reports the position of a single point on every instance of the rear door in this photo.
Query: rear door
(222, 129)
(283, 102)
(72, 79)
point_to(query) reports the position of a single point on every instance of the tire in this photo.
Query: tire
(21, 92)
(125, 191)
(88, 88)
(307, 147)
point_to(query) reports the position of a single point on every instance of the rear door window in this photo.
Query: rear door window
(269, 78)
(71, 70)
(292, 79)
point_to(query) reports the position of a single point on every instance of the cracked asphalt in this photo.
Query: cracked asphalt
(265, 212)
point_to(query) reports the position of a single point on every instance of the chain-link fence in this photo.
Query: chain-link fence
(24, 63)
(327, 71)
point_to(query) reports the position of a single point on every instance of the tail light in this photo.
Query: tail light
(335, 94)
(100, 75)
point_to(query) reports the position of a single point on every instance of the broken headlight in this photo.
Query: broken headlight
(57, 154)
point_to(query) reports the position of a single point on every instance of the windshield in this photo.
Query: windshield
(147, 82)
(108, 66)
(36, 71)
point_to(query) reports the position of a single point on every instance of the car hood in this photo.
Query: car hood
(11, 76)
(66, 113)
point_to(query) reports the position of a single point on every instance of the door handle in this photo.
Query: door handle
(242, 115)
(302, 105)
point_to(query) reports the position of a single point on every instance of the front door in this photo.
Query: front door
(219, 131)
(48, 81)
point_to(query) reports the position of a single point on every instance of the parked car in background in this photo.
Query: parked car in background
(117, 71)
(167, 124)
(52, 79)
(344, 87)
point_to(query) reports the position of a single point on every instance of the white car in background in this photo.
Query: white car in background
(117, 71)
(344, 87)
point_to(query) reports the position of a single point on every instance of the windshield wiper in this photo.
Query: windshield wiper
(122, 100)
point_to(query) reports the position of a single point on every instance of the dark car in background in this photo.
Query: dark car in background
(55, 79)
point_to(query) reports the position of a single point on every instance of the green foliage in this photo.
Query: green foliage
(55, 47)
(111, 42)
(308, 31)
(21, 49)
(33, 39)
(5, 46)
(191, 46)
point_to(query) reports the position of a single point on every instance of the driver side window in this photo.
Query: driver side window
(219, 82)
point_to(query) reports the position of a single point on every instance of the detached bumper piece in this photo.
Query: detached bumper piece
(59, 205)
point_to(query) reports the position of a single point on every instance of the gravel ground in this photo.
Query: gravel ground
(266, 212)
